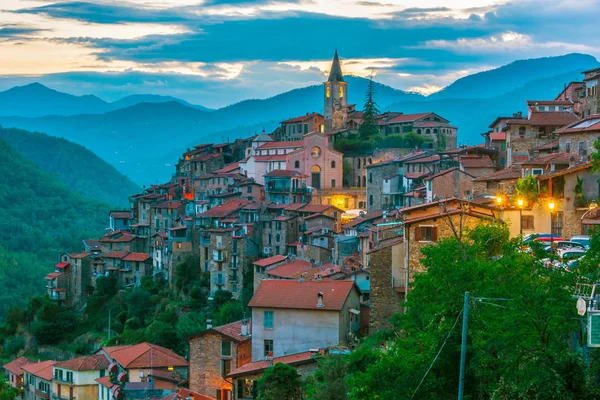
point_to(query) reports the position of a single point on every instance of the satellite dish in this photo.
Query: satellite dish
(581, 306)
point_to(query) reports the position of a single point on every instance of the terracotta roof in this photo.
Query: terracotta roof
(546, 118)
(44, 369)
(281, 145)
(121, 214)
(477, 162)
(312, 208)
(79, 255)
(498, 136)
(386, 244)
(301, 295)
(277, 157)
(225, 209)
(62, 265)
(549, 102)
(15, 366)
(565, 171)
(301, 118)
(228, 168)
(145, 355)
(232, 331)
(136, 257)
(368, 217)
(444, 172)
(407, 117)
(265, 262)
(284, 217)
(169, 204)
(589, 123)
(53, 275)
(258, 366)
(512, 173)
(415, 175)
(554, 158)
(115, 254)
(291, 269)
(119, 237)
(317, 215)
(548, 146)
(286, 173)
(105, 381)
(85, 363)
(423, 160)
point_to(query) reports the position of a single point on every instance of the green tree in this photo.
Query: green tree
(139, 304)
(188, 272)
(527, 188)
(107, 285)
(368, 127)
(229, 312)
(165, 335)
(278, 382)
(516, 346)
(578, 191)
(328, 382)
(191, 324)
(7, 392)
(346, 172)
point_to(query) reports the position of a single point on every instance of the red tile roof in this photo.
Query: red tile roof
(145, 355)
(85, 363)
(121, 214)
(476, 162)
(407, 117)
(53, 275)
(286, 173)
(225, 209)
(423, 160)
(105, 381)
(512, 173)
(62, 265)
(15, 366)
(554, 158)
(301, 118)
(115, 254)
(169, 204)
(549, 102)
(79, 255)
(185, 394)
(498, 136)
(42, 369)
(136, 257)
(546, 118)
(368, 217)
(291, 269)
(232, 331)
(281, 145)
(444, 172)
(548, 146)
(589, 123)
(228, 168)
(258, 366)
(311, 208)
(265, 262)
(386, 244)
(415, 175)
(565, 171)
(301, 295)
(117, 237)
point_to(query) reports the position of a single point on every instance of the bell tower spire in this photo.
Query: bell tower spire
(335, 107)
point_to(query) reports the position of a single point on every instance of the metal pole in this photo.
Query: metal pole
(551, 234)
(463, 348)
(521, 221)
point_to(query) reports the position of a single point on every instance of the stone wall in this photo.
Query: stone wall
(454, 184)
(375, 184)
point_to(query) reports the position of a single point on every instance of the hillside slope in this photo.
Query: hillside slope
(73, 164)
(41, 217)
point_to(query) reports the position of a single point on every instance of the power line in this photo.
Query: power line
(438, 354)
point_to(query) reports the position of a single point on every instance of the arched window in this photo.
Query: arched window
(341, 92)
(358, 181)
(364, 181)
(419, 131)
(297, 164)
(435, 130)
(428, 131)
(358, 163)
(327, 91)
(333, 164)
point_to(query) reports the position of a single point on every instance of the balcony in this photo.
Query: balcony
(41, 394)
(233, 264)
(277, 189)
(219, 245)
(301, 190)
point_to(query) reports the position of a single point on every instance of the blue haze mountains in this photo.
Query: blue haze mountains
(143, 135)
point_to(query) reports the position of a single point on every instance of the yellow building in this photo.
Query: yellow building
(76, 378)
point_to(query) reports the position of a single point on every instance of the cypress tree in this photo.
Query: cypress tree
(368, 128)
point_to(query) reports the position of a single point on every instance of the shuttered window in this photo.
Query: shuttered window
(426, 233)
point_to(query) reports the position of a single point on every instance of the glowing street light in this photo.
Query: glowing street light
(551, 206)
(520, 204)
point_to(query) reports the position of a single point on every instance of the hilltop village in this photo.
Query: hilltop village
(323, 226)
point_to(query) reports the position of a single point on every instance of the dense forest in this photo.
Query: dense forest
(41, 217)
(73, 164)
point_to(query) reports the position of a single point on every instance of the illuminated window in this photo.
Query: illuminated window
(341, 92)
(327, 91)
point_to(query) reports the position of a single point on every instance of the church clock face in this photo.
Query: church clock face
(315, 152)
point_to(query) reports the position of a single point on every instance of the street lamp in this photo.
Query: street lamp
(499, 203)
(551, 206)
(520, 204)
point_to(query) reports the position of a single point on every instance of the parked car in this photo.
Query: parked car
(582, 239)
(567, 245)
(530, 237)
(548, 239)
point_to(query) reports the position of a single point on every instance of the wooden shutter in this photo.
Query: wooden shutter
(417, 233)
(434, 235)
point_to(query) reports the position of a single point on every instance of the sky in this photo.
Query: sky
(217, 52)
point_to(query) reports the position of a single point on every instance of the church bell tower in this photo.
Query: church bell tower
(336, 97)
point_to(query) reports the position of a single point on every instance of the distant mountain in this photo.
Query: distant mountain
(144, 140)
(498, 81)
(36, 100)
(41, 217)
(151, 98)
(73, 164)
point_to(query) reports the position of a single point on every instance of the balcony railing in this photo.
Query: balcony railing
(233, 264)
(41, 394)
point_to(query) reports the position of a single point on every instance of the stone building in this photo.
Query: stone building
(589, 92)
(502, 181)
(449, 183)
(279, 233)
(292, 129)
(579, 137)
(214, 353)
(286, 186)
(164, 214)
(573, 92)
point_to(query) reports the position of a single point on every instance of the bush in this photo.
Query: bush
(165, 335)
(191, 324)
(12, 345)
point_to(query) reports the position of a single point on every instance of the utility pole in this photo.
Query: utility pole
(463, 348)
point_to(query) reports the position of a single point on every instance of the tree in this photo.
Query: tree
(518, 348)
(229, 312)
(107, 285)
(346, 172)
(527, 188)
(578, 191)
(7, 392)
(165, 335)
(328, 382)
(138, 304)
(280, 381)
(368, 127)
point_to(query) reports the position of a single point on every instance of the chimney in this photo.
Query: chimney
(245, 328)
(320, 300)
(208, 323)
